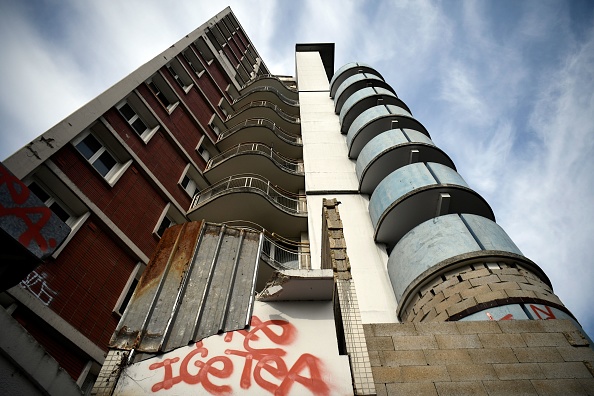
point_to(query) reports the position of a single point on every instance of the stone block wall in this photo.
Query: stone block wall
(475, 287)
(528, 357)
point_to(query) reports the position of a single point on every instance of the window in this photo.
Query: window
(188, 182)
(137, 115)
(165, 224)
(128, 290)
(193, 61)
(204, 153)
(97, 155)
(133, 119)
(170, 216)
(160, 95)
(163, 92)
(180, 75)
(100, 157)
(51, 202)
(60, 199)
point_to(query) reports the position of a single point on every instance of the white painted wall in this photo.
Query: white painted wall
(329, 173)
(243, 362)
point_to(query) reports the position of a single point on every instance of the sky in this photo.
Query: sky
(506, 88)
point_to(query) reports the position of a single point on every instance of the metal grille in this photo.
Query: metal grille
(287, 164)
(289, 202)
(262, 122)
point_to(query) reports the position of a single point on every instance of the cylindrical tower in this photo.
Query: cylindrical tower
(448, 259)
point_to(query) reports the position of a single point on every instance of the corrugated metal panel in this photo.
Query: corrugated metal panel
(199, 282)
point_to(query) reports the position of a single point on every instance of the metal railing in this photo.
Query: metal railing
(285, 200)
(287, 164)
(264, 76)
(279, 252)
(290, 102)
(269, 105)
(262, 122)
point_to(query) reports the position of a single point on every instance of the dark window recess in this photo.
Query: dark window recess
(165, 224)
(160, 95)
(129, 294)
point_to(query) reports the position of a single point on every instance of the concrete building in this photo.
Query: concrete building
(308, 223)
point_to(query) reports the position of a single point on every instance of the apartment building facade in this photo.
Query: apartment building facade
(355, 218)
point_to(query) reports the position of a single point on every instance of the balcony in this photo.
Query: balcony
(376, 120)
(261, 130)
(270, 94)
(355, 83)
(416, 193)
(266, 110)
(270, 80)
(251, 198)
(260, 159)
(362, 100)
(347, 71)
(393, 150)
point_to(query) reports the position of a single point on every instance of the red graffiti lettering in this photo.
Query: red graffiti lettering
(263, 364)
(34, 218)
(169, 380)
(548, 313)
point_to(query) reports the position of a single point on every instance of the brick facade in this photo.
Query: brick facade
(475, 287)
(531, 357)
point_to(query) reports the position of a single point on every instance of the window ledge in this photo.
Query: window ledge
(78, 223)
(200, 74)
(113, 179)
(146, 136)
(172, 107)
(188, 88)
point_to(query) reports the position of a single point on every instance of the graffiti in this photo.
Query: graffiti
(506, 317)
(37, 285)
(541, 313)
(260, 365)
(35, 218)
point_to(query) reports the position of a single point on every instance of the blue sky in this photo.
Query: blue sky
(506, 88)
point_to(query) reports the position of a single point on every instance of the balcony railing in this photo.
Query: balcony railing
(289, 202)
(262, 122)
(279, 252)
(282, 97)
(264, 76)
(269, 105)
(287, 164)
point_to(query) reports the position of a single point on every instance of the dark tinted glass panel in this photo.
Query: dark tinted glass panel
(104, 163)
(185, 181)
(88, 146)
(128, 296)
(59, 211)
(127, 111)
(164, 225)
(40, 192)
(139, 126)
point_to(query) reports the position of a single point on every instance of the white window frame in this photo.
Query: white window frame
(116, 172)
(164, 214)
(192, 187)
(75, 221)
(148, 132)
(201, 150)
(134, 275)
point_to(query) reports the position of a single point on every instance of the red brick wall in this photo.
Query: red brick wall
(231, 56)
(88, 276)
(132, 203)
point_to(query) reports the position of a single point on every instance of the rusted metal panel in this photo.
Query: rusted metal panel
(199, 282)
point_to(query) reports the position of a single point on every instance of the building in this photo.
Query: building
(351, 218)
